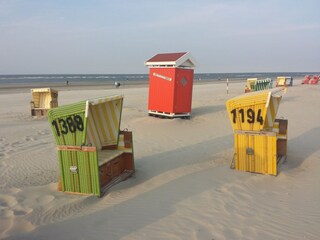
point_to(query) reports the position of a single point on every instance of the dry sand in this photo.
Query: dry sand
(183, 187)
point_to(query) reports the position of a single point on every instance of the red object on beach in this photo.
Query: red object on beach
(306, 79)
(170, 84)
(314, 80)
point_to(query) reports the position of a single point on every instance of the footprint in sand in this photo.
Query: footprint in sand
(19, 212)
(17, 144)
(7, 201)
(2, 155)
(43, 132)
(3, 204)
(6, 213)
(28, 138)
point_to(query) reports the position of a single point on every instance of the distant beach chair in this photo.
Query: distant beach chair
(94, 154)
(251, 84)
(260, 140)
(43, 99)
(255, 84)
(314, 80)
(263, 84)
(306, 79)
(284, 81)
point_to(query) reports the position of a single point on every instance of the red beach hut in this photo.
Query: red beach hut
(170, 84)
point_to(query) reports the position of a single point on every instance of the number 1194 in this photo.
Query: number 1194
(250, 116)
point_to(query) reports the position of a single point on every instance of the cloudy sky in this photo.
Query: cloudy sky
(101, 36)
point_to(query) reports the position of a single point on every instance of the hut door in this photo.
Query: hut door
(183, 91)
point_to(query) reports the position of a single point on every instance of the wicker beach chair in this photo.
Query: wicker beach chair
(43, 99)
(284, 81)
(260, 140)
(255, 84)
(93, 153)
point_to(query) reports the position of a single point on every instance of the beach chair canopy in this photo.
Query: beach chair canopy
(94, 122)
(42, 97)
(254, 111)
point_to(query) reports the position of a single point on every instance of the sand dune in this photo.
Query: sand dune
(183, 187)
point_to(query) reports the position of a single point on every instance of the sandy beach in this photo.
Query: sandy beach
(183, 187)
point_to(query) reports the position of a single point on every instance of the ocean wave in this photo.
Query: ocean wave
(100, 78)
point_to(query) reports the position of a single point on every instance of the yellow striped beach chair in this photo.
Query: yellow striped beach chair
(251, 84)
(93, 153)
(260, 140)
(43, 99)
(284, 81)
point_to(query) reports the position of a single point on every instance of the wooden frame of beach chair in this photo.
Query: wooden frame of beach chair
(93, 153)
(260, 140)
(43, 99)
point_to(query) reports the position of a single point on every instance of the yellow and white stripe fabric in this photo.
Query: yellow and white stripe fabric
(251, 82)
(272, 110)
(103, 116)
(281, 81)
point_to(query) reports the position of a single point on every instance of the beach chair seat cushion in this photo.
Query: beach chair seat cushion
(107, 155)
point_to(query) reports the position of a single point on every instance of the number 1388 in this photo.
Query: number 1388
(71, 124)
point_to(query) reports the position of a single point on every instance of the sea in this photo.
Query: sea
(88, 79)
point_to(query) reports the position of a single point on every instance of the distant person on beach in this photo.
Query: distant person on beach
(117, 84)
(67, 83)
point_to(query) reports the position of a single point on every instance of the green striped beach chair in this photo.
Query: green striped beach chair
(254, 84)
(263, 84)
(93, 153)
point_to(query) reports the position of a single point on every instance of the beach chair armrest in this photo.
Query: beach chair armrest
(127, 137)
(53, 104)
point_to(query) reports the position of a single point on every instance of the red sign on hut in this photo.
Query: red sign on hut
(170, 84)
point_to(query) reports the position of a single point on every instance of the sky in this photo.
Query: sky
(111, 37)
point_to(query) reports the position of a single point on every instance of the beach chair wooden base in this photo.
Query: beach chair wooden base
(111, 173)
(261, 151)
(88, 171)
(169, 115)
(281, 160)
(122, 177)
(39, 112)
(115, 170)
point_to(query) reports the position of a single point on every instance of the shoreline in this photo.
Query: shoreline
(25, 87)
